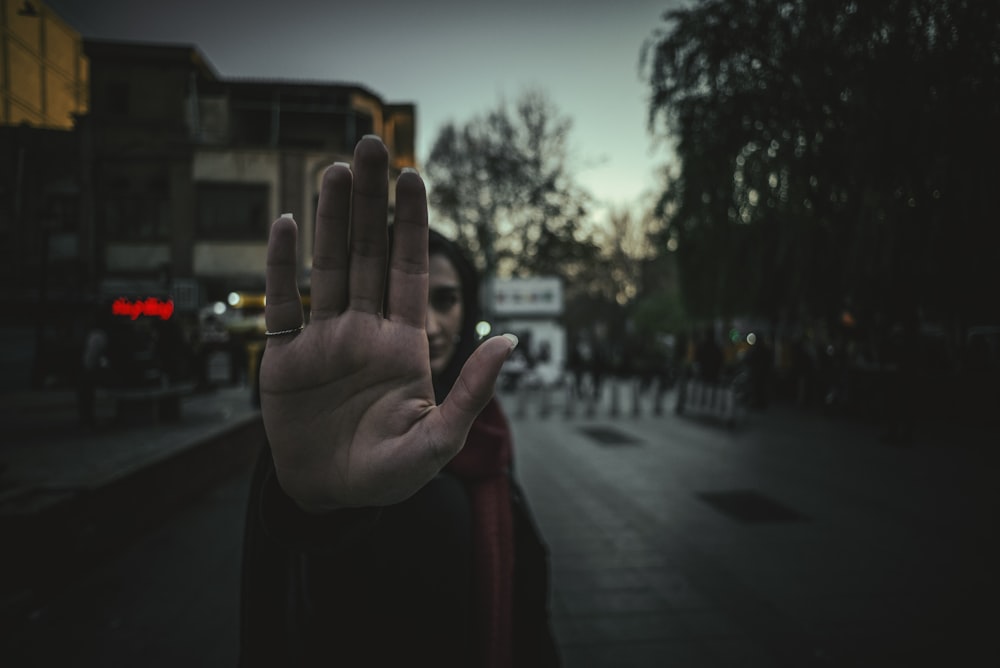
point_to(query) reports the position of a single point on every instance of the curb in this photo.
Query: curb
(44, 550)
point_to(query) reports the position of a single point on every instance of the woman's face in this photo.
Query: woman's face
(444, 312)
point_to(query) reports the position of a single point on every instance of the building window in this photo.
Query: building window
(360, 124)
(233, 211)
(137, 217)
(118, 99)
(61, 213)
(403, 138)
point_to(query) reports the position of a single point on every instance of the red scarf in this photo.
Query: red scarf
(484, 465)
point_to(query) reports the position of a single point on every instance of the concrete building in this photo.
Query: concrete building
(43, 93)
(43, 71)
(191, 168)
(532, 309)
(135, 171)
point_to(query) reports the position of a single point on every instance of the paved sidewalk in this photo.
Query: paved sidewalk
(792, 540)
(69, 494)
(46, 451)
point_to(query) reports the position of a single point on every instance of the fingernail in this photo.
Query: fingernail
(512, 339)
(342, 164)
(409, 170)
(289, 216)
(372, 137)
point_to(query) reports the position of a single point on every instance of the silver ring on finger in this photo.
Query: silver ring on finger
(286, 332)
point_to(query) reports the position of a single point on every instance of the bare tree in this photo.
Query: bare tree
(502, 182)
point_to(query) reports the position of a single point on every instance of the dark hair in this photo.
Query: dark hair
(438, 244)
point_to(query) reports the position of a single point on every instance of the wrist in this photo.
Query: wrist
(311, 527)
(309, 504)
(314, 510)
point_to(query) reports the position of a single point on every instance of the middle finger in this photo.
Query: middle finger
(369, 213)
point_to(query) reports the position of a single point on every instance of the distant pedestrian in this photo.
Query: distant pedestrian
(579, 360)
(804, 368)
(709, 361)
(760, 365)
(899, 372)
(599, 363)
(95, 366)
(709, 358)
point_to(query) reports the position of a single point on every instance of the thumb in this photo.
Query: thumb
(474, 387)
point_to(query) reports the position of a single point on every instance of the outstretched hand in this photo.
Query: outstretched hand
(348, 402)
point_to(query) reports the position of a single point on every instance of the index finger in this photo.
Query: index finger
(282, 304)
(408, 265)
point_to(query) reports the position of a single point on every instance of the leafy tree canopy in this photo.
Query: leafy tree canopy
(831, 153)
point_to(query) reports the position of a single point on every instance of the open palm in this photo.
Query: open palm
(348, 402)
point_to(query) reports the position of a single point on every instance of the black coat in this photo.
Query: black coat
(319, 590)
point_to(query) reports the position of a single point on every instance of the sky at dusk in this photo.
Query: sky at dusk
(454, 59)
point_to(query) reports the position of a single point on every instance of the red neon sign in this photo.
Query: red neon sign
(150, 306)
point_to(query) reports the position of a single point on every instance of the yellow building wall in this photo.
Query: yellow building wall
(44, 76)
(402, 123)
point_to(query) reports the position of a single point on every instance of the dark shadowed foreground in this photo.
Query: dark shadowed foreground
(789, 540)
